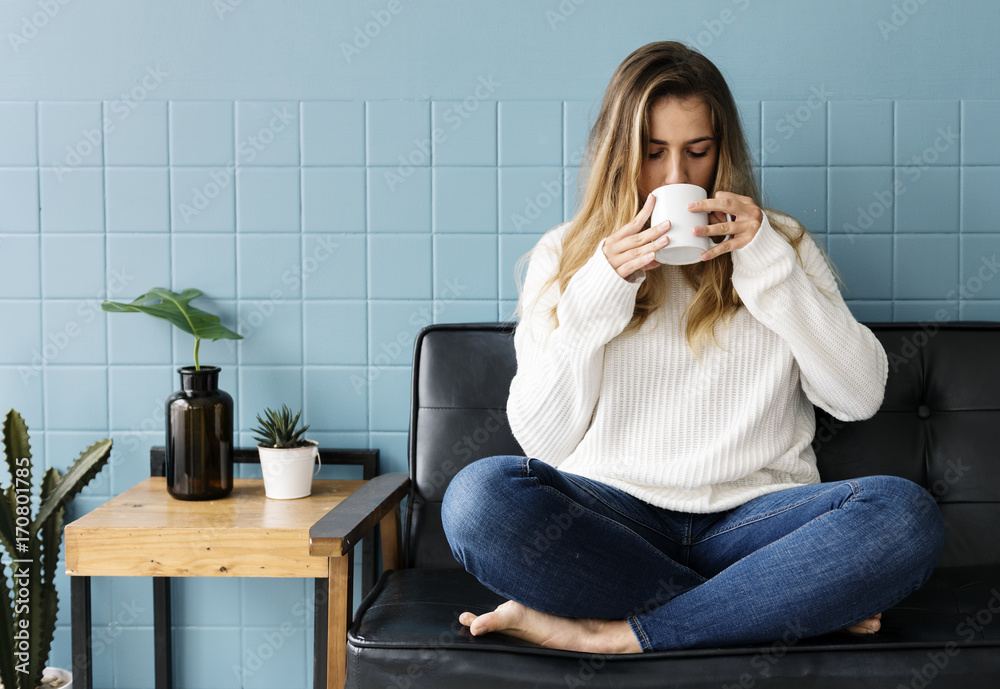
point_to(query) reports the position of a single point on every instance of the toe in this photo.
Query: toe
(481, 624)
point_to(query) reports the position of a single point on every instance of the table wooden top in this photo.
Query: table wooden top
(146, 532)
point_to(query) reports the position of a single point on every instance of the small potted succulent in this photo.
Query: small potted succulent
(199, 438)
(286, 458)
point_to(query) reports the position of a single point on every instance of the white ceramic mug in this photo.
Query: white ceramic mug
(671, 204)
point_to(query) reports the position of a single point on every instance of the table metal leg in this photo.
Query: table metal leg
(320, 598)
(83, 666)
(162, 634)
(340, 612)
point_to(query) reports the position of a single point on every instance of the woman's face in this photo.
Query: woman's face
(682, 147)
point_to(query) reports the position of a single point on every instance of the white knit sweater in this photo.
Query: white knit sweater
(638, 412)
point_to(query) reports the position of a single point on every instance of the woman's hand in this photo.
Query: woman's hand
(747, 217)
(630, 249)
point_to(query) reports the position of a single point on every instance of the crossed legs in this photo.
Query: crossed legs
(588, 567)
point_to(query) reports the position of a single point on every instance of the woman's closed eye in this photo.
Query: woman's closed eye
(693, 154)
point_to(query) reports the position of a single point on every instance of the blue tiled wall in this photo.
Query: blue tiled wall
(330, 224)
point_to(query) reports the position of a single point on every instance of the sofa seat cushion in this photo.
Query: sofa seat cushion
(407, 634)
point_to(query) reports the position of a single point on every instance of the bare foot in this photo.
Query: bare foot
(869, 626)
(552, 631)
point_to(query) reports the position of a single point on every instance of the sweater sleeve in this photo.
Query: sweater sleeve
(843, 367)
(559, 369)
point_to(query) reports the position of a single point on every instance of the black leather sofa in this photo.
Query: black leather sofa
(935, 427)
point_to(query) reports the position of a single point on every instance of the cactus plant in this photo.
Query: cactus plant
(28, 600)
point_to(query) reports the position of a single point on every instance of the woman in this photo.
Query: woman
(670, 496)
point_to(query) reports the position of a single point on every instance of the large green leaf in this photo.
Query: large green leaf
(176, 308)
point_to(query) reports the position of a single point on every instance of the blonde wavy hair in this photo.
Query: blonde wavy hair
(609, 174)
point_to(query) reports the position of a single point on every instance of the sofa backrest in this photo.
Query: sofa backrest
(458, 414)
(935, 427)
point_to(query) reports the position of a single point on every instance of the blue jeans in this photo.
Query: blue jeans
(795, 563)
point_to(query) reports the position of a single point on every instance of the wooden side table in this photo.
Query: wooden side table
(145, 532)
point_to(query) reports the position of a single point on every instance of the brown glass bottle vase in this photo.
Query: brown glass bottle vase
(199, 459)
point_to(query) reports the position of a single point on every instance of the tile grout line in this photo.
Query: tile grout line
(41, 269)
(302, 256)
(961, 195)
(895, 214)
(104, 275)
(366, 114)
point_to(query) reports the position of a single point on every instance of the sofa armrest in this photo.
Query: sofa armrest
(340, 529)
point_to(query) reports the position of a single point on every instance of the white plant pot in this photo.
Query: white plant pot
(51, 673)
(54, 678)
(288, 472)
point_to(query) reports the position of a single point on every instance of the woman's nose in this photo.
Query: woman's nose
(675, 172)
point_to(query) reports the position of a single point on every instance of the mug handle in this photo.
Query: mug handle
(729, 218)
(319, 464)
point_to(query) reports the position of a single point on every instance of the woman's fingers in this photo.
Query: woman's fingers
(643, 262)
(634, 226)
(631, 248)
(643, 215)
